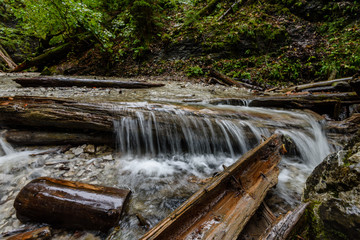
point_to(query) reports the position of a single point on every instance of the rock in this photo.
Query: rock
(89, 149)
(334, 188)
(77, 151)
(108, 158)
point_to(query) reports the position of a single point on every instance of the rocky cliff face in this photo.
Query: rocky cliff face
(333, 188)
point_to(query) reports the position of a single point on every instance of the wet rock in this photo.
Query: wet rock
(108, 158)
(89, 149)
(334, 188)
(77, 151)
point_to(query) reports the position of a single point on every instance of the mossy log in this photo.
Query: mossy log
(43, 233)
(52, 55)
(78, 82)
(70, 204)
(222, 208)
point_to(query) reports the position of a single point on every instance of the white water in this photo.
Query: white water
(166, 152)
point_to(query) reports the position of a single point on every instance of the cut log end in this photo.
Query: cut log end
(70, 204)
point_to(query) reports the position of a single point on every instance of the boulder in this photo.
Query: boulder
(333, 189)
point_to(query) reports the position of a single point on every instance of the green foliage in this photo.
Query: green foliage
(195, 71)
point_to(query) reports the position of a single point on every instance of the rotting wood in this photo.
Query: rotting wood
(287, 225)
(70, 204)
(7, 59)
(47, 138)
(37, 234)
(221, 209)
(229, 81)
(314, 85)
(78, 82)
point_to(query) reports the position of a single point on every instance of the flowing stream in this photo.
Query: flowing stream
(164, 154)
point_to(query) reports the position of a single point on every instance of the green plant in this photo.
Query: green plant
(195, 71)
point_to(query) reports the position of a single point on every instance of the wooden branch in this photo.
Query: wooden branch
(229, 81)
(79, 82)
(227, 11)
(37, 234)
(70, 204)
(7, 59)
(286, 225)
(46, 58)
(315, 85)
(221, 209)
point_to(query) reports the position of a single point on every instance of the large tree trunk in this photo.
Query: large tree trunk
(221, 209)
(78, 82)
(70, 204)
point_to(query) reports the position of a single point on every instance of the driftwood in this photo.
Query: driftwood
(37, 234)
(7, 59)
(287, 225)
(46, 58)
(229, 81)
(221, 209)
(315, 85)
(71, 204)
(78, 82)
(47, 138)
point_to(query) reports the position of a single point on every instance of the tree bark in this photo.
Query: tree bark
(221, 209)
(37, 234)
(70, 204)
(287, 225)
(78, 82)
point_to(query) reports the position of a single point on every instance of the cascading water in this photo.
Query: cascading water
(166, 152)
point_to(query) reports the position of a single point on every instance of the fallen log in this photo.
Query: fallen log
(47, 138)
(229, 81)
(78, 82)
(71, 204)
(287, 225)
(315, 85)
(37, 234)
(46, 58)
(330, 104)
(221, 209)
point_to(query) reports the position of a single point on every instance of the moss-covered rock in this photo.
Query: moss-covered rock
(334, 188)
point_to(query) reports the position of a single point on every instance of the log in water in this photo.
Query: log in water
(79, 82)
(70, 204)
